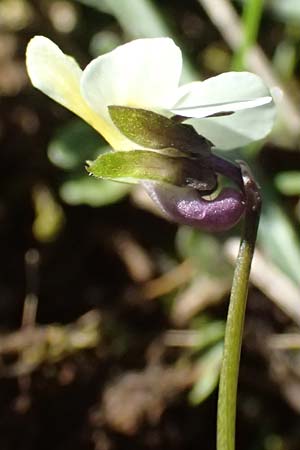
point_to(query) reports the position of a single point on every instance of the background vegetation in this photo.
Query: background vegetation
(112, 319)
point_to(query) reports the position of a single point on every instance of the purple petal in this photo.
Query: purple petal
(186, 206)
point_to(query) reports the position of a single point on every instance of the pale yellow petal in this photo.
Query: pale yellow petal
(58, 76)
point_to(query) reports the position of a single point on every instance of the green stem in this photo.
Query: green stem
(235, 319)
(251, 18)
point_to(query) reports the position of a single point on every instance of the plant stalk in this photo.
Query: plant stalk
(235, 320)
(228, 169)
(251, 18)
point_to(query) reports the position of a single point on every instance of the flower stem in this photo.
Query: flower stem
(251, 18)
(235, 319)
(228, 169)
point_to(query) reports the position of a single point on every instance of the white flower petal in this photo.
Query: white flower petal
(231, 91)
(208, 110)
(238, 129)
(142, 73)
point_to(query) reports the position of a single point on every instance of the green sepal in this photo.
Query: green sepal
(152, 130)
(137, 165)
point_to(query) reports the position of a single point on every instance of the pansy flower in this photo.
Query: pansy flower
(161, 133)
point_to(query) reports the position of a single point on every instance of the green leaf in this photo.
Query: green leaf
(288, 183)
(89, 191)
(136, 165)
(73, 144)
(155, 131)
(49, 215)
(209, 366)
(208, 333)
(279, 240)
(288, 11)
(204, 250)
(277, 235)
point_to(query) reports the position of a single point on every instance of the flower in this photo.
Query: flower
(132, 97)
(145, 73)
